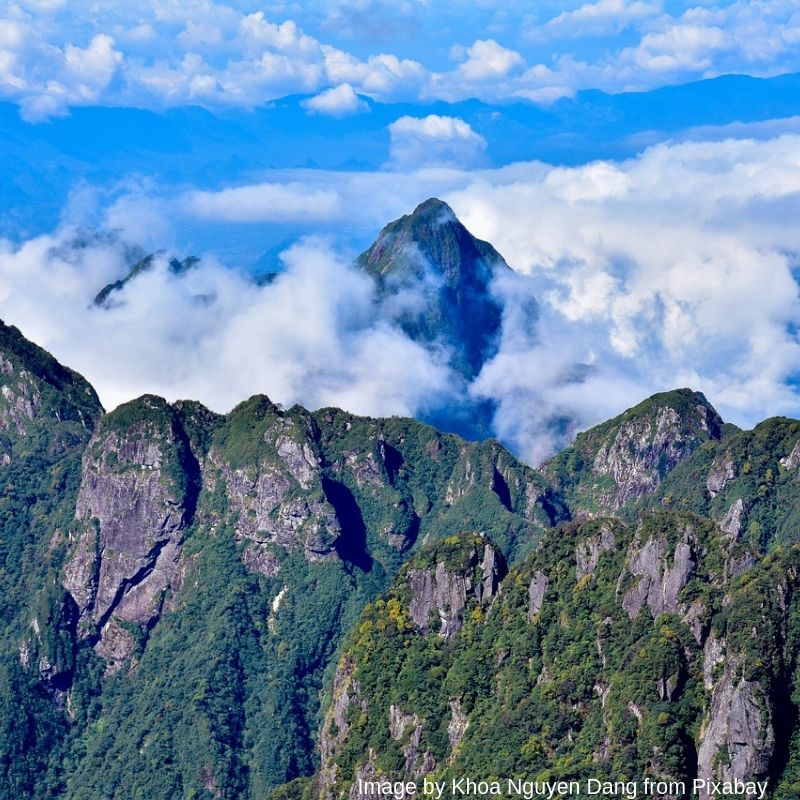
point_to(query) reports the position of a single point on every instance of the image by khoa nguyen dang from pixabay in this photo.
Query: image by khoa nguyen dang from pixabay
(399, 400)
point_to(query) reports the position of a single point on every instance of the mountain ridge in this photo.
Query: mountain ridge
(191, 597)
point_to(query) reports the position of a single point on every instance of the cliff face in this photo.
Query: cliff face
(628, 457)
(192, 575)
(177, 585)
(381, 735)
(611, 650)
(138, 493)
(47, 415)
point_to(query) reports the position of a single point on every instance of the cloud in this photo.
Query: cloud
(220, 55)
(674, 268)
(311, 336)
(55, 79)
(679, 48)
(434, 140)
(488, 60)
(336, 102)
(382, 77)
(263, 202)
(597, 19)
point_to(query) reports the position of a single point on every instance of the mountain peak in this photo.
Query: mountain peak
(436, 208)
(105, 296)
(429, 255)
(628, 456)
(431, 239)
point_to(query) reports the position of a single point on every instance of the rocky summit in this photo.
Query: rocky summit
(436, 279)
(432, 278)
(289, 603)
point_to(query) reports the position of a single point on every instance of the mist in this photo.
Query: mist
(675, 268)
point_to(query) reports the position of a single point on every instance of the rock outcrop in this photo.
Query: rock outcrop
(738, 737)
(536, 592)
(138, 495)
(659, 584)
(440, 593)
(346, 692)
(628, 457)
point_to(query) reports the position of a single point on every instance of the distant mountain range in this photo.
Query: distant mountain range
(43, 163)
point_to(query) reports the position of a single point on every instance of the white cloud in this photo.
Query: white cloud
(311, 336)
(673, 268)
(47, 80)
(336, 102)
(383, 77)
(285, 37)
(434, 140)
(679, 48)
(601, 18)
(219, 55)
(488, 60)
(264, 202)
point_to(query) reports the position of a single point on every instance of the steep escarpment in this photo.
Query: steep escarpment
(218, 555)
(218, 605)
(628, 457)
(748, 482)
(139, 486)
(47, 415)
(376, 729)
(192, 575)
(660, 650)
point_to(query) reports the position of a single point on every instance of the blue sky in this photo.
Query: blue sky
(55, 54)
(648, 203)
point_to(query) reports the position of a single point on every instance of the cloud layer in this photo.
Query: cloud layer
(676, 268)
(219, 55)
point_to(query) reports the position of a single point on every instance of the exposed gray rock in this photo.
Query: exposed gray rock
(408, 729)
(695, 620)
(659, 584)
(115, 645)
(258, 557)
(19, 403)
(792, 461)
(367, 470)
(644, 448)
(346, 692)
(487, 588)
(713, 657)
(666, 686)
(133, 513)
(736, 566)
(462, 481)
(444, 591)
(269, 511)
(299, 458)
(739, 724)
(721, 472)
(398, 722)
(536, 592)
(588, 551)
(447, 592)
(457, 728)
(368, 771)
(731, 523)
